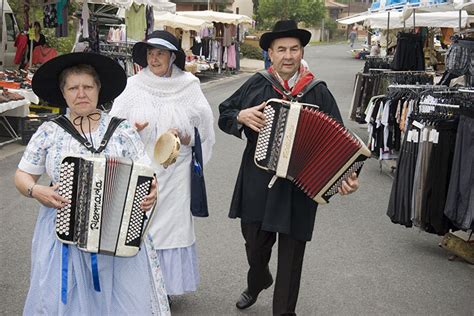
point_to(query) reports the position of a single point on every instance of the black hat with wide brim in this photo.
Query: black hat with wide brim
(112, 77)
(285, 28)
(159, 39)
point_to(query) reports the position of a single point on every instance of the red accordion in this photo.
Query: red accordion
(308, 147)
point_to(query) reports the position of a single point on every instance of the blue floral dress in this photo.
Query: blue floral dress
(127, 286)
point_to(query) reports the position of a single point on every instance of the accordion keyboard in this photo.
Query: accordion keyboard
(137, 217)
(262, 150)
(64, 222)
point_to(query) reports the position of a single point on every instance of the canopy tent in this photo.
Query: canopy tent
(395, 19)
(442, 6)
(413, 9)
(356, 18)
(381, 20)
(125, 3)
(382, 5)
(213, 16)
(179, 21)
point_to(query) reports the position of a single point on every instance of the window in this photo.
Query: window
(10, 23)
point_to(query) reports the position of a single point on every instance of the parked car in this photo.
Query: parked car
(9, 32)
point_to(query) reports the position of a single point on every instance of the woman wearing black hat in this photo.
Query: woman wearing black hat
(65, 280)
(159, 98)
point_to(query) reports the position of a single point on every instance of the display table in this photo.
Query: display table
(18, 108)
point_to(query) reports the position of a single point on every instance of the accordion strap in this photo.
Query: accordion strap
(66, 124)
(277, 84)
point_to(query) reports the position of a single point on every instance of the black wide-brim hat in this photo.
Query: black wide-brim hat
(112, 77)
(159, 39)
(285, 28)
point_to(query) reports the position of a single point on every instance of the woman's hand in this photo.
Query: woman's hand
(26, 183)
(140, 126)
(252, 117)
(184, 139)
(350, 185)
(48, 196)
(150, 199)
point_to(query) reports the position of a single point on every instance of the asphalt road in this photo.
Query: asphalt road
(358, 262)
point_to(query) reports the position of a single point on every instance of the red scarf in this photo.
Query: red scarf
(304, 77)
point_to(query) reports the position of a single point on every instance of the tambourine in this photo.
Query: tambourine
(167, 149)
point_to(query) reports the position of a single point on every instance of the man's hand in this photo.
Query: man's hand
(350, 185)
(252, 117)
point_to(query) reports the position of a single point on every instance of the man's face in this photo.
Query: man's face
(286, 54)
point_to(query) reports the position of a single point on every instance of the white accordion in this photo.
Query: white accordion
(104, 215)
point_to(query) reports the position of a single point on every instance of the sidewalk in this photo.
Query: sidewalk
(251, 65)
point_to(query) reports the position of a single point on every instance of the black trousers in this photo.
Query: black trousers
(258, 245)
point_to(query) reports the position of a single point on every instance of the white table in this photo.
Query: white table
(18, 108)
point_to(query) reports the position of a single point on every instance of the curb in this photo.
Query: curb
(242, 73)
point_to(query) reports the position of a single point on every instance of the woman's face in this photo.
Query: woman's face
(81, 94)
(158, 61)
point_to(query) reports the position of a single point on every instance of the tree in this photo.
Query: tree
(310, 12)
(257, 17)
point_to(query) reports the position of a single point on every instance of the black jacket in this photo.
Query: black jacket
(284, 208)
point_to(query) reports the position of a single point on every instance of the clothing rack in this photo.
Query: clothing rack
(440, 104)
(417, 86)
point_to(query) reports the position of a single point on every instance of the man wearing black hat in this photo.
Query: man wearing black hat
(284, 209)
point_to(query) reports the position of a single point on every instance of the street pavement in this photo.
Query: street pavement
(358, 263)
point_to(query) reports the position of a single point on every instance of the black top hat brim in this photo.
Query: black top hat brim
(139, 52)
(112, 77)
(267, 38)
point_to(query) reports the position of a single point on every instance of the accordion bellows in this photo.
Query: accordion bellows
(105, 193)
(308, 147)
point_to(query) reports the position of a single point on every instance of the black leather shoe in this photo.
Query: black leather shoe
(246, 299)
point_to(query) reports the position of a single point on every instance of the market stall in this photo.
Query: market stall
(16, 97)
(219, 45)
(420, 121)
(186, 30)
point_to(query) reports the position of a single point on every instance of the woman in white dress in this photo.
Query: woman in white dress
(163, 97)
(65, 280)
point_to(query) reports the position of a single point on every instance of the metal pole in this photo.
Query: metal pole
(460, 19)
(388, 32)
(414, 13)
(2, 38)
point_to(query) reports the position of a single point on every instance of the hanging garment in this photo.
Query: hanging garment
(150, 19)
(50, 16)
(409, 53)
(399, 206)
(421, 171)
(227, 37)
(186, 41)
(460, 200)
(21, 44)
(85, 20)
(62, 28)
(59, 8)
(231, 57)
(433, 219)
(459, 62)
(136, 22)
